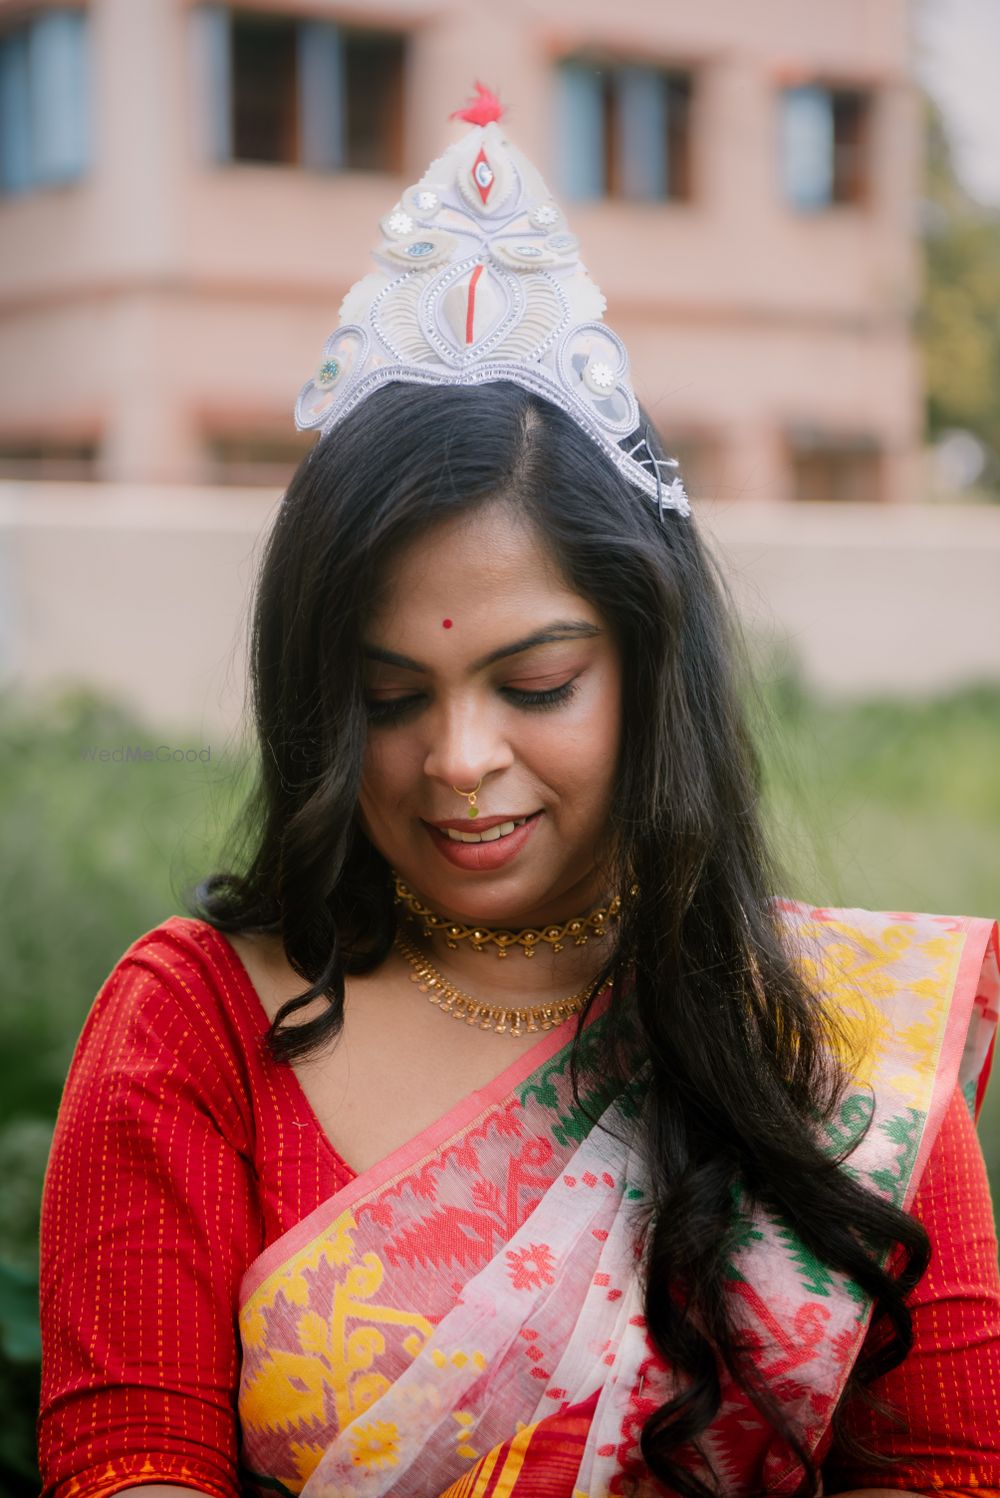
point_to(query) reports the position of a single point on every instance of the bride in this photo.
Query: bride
(490, 1125)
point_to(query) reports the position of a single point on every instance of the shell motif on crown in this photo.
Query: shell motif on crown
(478, 278)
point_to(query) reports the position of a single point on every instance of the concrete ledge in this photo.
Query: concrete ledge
(143, 592)
(902, 599)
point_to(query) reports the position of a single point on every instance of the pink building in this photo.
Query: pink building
(187, 190)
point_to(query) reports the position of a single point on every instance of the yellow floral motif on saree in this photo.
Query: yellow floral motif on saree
(335, 1356)
(859, 974)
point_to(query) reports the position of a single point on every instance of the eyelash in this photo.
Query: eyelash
(390, 711)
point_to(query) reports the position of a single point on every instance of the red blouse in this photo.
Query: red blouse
(182, 1150)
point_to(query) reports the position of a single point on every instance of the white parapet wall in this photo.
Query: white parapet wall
(867, 599)
(144, 592)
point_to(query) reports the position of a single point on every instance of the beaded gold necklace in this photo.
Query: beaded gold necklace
(503, 1018)
(579, 930)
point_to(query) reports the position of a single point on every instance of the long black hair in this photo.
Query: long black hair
(739, 1051)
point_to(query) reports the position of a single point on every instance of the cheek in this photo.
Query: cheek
(579, 747)
(383, 773)
(392, 775)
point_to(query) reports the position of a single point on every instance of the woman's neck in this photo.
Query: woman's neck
(555, 969)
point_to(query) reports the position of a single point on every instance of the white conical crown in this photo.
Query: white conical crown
(479, 279)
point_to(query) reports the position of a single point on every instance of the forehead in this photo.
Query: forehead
(484, 571)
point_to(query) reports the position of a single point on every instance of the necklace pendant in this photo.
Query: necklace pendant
(501, 1019)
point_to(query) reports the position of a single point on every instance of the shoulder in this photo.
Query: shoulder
(900, 928)
(894, 962)
(193, 964)
(177, 1005)
(914, 1004)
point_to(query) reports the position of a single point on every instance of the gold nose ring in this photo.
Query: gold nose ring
(473, 808)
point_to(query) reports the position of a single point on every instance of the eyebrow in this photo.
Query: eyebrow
(559, 629)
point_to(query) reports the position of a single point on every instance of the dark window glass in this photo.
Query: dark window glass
(373, 124)
(307, 93)
(625, 131)
(825, 146)
(837, 471)
(851, 115)
(256, 457)
(679, 108)
(48, 459)
(264, 89)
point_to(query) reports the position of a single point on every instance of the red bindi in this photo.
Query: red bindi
(446, 624)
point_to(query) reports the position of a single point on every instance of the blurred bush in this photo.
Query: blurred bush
(883, 804)
(958, 321)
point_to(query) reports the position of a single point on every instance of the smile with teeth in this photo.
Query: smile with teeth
(502, 829)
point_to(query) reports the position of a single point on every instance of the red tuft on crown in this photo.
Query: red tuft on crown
(482, 111)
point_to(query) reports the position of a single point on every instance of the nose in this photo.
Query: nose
(467, 747)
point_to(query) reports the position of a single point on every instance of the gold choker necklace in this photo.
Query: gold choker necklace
(578, 931)
(503, 1018)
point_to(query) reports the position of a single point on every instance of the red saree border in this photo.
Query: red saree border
(540, 1461)
(466, 1114)
(980, 935)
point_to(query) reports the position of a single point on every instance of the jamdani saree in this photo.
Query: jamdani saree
(466, 1318)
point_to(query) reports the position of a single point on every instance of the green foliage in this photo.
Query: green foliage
(19, 1355)
(882, 804)
(885, 804)
(959, 321)
(888, 805)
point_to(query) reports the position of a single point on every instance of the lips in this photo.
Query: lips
(483, 856)
(479, 824)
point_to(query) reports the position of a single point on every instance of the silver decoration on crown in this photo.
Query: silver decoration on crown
(478, 279)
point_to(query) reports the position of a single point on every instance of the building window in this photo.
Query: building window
(301, 93)
(836, 469)
(824, 146)
(264, 86)
(252, 458)
(625, 131)
(43, 101)
(48, 459)
(700, 457)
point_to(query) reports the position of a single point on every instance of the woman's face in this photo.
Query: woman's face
(459, 694)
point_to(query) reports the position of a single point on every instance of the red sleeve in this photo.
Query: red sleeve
(148, 1222)
(948, 1388)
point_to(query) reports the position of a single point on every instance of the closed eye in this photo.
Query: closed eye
(392, 709)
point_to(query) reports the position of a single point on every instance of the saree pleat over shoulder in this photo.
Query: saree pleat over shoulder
(466, 1317)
